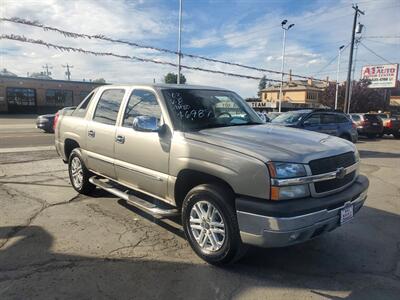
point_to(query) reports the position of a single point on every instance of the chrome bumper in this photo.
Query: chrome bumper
(268, 231)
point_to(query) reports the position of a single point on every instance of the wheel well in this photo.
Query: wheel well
(188, 179)
(70, 145)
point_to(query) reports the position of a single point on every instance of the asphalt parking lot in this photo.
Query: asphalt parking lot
(57, 244)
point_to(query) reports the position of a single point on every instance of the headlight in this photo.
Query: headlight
(279, 170)
(357, 155)
(289, 192)
(286, 170)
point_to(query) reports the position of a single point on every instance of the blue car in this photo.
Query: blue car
(324, 121)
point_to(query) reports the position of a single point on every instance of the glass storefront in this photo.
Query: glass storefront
(21, 99)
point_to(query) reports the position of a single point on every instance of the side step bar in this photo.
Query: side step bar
(134, 200)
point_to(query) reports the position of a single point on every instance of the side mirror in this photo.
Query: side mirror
(146, 124)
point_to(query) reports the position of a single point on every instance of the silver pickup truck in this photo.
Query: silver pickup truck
(204, 154)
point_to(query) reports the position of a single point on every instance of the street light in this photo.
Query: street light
(179, 42)
(283, 23)
(337, 76)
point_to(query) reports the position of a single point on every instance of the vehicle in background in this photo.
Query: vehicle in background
(45, 122)
(325, 121)
(273, 114)
(391, 125)
(204, 154)
(369, 125)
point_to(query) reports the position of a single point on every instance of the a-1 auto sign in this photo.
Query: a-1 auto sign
(381, 76)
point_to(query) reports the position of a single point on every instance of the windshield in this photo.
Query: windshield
(288, 118)
(193, 109)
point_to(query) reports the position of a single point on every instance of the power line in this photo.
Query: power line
(80, 50)
(108, 39)
(376, 54)
(331, 61)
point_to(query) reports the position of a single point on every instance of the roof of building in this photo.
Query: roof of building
(298, 85)
(5, 72)
(48, 80)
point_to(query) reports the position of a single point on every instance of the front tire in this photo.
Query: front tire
(78, 173)
(210, 224)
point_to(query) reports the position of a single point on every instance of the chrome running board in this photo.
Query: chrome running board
(142, 204)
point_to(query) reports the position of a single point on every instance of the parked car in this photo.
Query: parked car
(369, 125)
(324, 121)
(204, 154)
(391, 125)
(45, 122)
(273, 114)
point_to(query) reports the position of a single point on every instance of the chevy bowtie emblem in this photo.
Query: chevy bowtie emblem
(340, 173)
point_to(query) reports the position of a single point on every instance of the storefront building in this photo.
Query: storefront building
(32, 95)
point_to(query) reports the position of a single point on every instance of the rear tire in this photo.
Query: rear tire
(371, 135)
(78, 173)
(397, 135)
(210, 224)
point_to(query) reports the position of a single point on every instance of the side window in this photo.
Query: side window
(141, 103)
(343, 118)
(108, 106)
(355, 118)
(314, 119)
(80, 111)
(328, 119)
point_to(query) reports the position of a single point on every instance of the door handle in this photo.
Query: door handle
(120, 139)
(91, 133)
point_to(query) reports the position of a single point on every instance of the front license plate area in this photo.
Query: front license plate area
(346, 214)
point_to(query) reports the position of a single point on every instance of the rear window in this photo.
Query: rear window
(370, 117)
(80, 111)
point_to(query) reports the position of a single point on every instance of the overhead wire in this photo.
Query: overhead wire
(376, 54)
(134, 44)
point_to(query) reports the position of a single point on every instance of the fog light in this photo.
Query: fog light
(294, 236)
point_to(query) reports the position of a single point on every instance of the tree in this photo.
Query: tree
(99, 80)
(363, 99)
(263, 83)
(173, 78)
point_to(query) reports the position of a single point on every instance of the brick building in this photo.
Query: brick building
(33, 95)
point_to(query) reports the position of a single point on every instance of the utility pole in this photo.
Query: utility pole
(179, 42)
(283, 23)
(68, 72)
(337, 76)
(348, 83)
(47, 67)
(357, 42)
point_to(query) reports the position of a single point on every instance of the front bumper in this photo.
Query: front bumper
(298, 223)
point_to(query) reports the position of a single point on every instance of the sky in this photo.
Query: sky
(241, 31)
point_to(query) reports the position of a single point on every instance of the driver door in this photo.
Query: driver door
(142, 158)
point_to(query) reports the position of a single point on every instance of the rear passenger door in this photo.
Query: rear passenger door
(101, 132)
(329, 124)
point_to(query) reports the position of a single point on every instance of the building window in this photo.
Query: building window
(59, 97)
(311, 95)
(21, 96)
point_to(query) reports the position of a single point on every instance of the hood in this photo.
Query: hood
(271, 142)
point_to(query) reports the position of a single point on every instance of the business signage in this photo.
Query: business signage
(262, 104)
(381, 76)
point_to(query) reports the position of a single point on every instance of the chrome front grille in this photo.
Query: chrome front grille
(331, 164)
